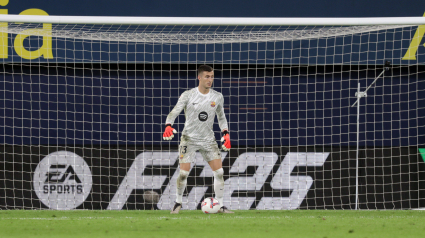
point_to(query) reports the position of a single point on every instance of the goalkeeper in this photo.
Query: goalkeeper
(200, 105)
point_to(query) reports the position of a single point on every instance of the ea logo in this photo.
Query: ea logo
(203, 116)
(62, 180)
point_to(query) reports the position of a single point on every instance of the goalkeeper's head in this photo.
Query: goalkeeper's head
(205, 76)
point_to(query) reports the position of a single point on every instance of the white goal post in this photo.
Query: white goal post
(223, 21)
(324, 113)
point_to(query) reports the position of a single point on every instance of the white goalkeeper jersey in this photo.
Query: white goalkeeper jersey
(200, 110)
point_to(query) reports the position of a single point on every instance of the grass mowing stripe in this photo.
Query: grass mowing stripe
(298, 223)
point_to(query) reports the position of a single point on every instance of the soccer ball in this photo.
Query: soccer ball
(210, 206)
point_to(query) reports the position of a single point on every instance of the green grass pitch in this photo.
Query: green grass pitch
(253, 223)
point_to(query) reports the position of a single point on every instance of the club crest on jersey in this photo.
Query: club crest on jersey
(212, 104)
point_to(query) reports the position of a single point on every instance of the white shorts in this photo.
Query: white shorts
(187, 151)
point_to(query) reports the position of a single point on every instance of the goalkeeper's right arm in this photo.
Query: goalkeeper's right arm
(181, 104)
(169, 132)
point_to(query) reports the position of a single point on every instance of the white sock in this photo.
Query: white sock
(219, 185)
(181, 184)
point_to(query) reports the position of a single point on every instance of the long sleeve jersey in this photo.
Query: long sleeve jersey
(200, 110)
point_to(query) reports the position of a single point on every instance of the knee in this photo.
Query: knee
(183, 174)
(218, 174)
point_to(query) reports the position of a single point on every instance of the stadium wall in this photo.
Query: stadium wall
(389, 178)
(126, 104)
(363, 48)
(221, 8)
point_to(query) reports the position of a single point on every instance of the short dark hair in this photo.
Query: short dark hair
(203, 68)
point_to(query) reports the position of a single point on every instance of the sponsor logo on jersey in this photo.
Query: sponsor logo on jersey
(212, 104)
(203, 116)
(62, 180)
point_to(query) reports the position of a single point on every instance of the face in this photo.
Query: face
(206, 79)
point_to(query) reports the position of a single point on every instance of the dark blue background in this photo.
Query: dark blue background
(222, 8)
(128, 104)
(367, 48)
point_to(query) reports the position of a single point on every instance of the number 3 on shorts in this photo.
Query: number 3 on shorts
(183, 149)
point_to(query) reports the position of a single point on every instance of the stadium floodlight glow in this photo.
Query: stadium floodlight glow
(100, 88)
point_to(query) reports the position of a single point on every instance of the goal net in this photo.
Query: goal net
(322, 114)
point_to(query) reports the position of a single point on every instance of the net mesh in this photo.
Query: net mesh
(192, 34)
(82, 129)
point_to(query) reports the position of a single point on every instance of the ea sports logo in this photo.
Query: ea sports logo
(203, 116)
(62, 180)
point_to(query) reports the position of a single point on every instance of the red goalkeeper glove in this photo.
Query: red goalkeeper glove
(226, 141)
(168, 133)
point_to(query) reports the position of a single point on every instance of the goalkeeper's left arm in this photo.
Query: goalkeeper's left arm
(223, 125)
(226, 140)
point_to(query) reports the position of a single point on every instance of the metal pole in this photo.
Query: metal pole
(374, 81)
(359, 95)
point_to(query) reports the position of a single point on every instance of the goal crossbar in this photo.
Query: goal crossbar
(213, 20)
